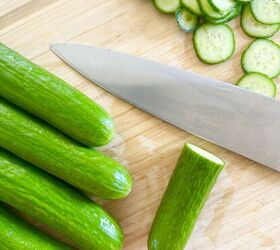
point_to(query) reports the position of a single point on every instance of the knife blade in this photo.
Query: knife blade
(229, 116)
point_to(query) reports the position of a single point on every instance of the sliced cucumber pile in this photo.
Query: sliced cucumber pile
(254, 28)
(214, 43)
(258, 83)
(262, 56)
(186, 20)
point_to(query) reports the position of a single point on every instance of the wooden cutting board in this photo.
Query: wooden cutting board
(243, 211)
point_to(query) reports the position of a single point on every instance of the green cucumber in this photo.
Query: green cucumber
(56, 204)
(222, 5)
(214, 43)
(35, 141)
(190, 184)
(254, 28)
(266, 11)
(38, 91)
(258, 83)
(167, 6)
(17, 234)
(263, 56)
(233, 14)
(186, 20)
(192, 6)
(210, 12)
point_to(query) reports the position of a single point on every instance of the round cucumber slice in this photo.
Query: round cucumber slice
(222, 5)
(214, 43)
(266, 11)
(258, 83)
(186, 20)
(167, 6)
(262, 56)
(192, 6)
(254, 28)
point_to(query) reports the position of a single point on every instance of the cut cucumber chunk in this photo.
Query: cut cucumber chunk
(188, 189)
(186, 20)
(209, 12)
(262, 56)
(258, 83)
(192, 6)
(243, 1)
(233, 14)
(222, 5)
(254, 28)
(266, 11)
(167, 6)
(214, 43)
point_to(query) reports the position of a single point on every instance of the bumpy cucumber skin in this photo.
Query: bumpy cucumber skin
(54, 203)
(187, 191)
(17, 234)
(83, 167)
(41, 93)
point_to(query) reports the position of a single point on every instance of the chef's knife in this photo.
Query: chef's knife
(232, 117)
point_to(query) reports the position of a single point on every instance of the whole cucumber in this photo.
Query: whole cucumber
(43, 94)
(35, 141)
(56, 204)
(189, 186)
(17, 234)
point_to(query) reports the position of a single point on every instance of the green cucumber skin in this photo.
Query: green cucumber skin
(17, 234)
(41, 93)
(56, 204)
(234, 13)
(182, 201)
(35, 141)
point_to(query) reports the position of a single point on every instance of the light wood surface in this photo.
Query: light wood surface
(243, 211)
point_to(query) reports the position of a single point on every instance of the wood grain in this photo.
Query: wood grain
(243, 211)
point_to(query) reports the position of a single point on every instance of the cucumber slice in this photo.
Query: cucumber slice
(233, 14)
(186, 20)
(262, 56)
(258, 83)
(190, 184)
(243, 1)
(214, 43)
(254, 28)
(209, 12)
(222, 5)
(192, 6)
(266, 11)
(167, 6)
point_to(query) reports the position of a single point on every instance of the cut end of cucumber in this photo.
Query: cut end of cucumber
(205, 154)
(258, 83)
